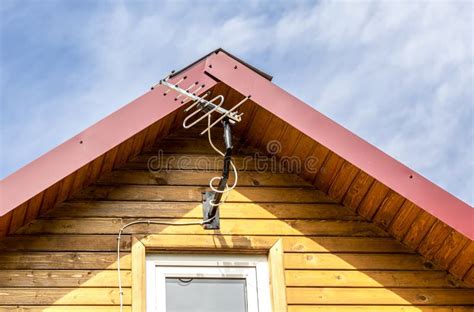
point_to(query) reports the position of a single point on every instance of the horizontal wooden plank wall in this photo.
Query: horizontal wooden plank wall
(353, 188)
(334, 259)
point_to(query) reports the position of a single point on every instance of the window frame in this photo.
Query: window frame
(252, 268)
(270, 247)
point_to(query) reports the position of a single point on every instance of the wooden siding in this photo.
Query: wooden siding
(353, 188)
(334, 259)
(339, 179)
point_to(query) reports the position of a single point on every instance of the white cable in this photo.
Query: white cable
(119, 237)
(236, 176)
(226, 191)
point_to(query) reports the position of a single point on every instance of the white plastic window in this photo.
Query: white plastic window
(210, 283)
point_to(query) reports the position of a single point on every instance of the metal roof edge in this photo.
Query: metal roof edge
(140, 113)
(384, 168)
(63, 160)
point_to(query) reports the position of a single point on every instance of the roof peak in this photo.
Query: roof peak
(219, 66)
(221, 50)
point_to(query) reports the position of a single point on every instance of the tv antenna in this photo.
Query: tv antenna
(204, 109)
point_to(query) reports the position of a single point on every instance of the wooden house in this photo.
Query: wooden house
(320, 220)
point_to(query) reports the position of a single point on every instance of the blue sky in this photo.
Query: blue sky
(398, 74)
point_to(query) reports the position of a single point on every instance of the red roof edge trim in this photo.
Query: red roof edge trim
(344, 143)
(96, 140)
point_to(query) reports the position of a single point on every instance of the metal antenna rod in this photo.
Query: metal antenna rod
(205, 105)
(211, 199)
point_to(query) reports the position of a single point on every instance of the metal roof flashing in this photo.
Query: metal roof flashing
(222, 51)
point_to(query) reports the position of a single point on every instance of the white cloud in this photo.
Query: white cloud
(410, 89)
(399, 74)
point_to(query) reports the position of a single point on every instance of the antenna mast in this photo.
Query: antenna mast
(228, 117)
